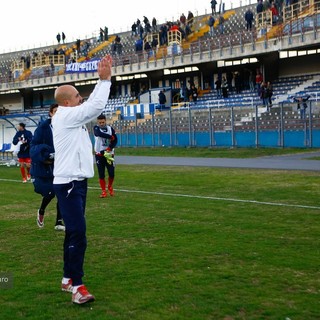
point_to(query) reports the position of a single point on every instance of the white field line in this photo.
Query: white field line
(199, 197)
(216, 198)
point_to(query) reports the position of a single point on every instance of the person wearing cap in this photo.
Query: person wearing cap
(22, 140)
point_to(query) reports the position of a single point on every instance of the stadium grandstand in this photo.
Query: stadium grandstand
(281, 49)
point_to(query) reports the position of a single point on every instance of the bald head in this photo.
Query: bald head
(67, 96)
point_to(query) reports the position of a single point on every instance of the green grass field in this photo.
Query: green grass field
(174, 243)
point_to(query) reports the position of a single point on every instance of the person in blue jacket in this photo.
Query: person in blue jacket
(42, 156)
(22, 140)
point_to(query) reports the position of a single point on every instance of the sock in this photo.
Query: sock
(65, 280)
(23, 172)
(102, 183)
(28, 171)
(110, 182)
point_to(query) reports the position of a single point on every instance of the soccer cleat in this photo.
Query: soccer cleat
(24, 180)
(103, 194)
(28, 177)
(67, 287)
(111, 192)
(59, 227)
(40, 220)
(82, 296)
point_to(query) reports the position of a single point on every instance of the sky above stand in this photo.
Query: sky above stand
(35, 23)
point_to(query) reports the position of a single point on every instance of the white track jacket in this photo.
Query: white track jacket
(72, 144)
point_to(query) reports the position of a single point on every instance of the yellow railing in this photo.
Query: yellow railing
(296, 9)
(41, 60)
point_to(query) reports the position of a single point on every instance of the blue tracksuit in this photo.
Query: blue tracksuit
(41, 165)
(25, 147)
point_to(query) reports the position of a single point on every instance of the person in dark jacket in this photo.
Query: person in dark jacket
(22, 140)
(162, 99)
(249, 18)
(194, 93)
(213, 6)
(42, 156)
(302, 105)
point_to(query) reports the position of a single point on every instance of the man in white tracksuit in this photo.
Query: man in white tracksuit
(73, 166)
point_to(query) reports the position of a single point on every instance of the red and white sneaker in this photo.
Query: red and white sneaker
(82, 296)
(67, 287)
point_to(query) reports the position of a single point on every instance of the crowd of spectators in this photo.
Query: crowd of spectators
(158, 32)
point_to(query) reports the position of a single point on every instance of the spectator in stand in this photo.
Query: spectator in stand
(134, 31)
(190, 19)
(106, 34)
(275, 13)
(213, 6)
(183, 19)
(148, 49)
(259, 80)
(163, 34)
(162, 100)
(58, 38)
(78, 44)
(229, 77)
(63, 37)
(154, 25)
(221, 24)
(140, 31)
(145, 20)
(302, 105)
(218, 88)
(279, 6)
(224, 87)
(147, 28)
(101, 35)
(269, 94)
(154, 44)
(237, 82)
(194, 93)
(117, 39)
(259, 6)
(22, 140)
(139, 45)
(188, 31)
(264, 95)
(211, 25)
(249, 18)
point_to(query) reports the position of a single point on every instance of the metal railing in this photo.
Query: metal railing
(283, 126)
